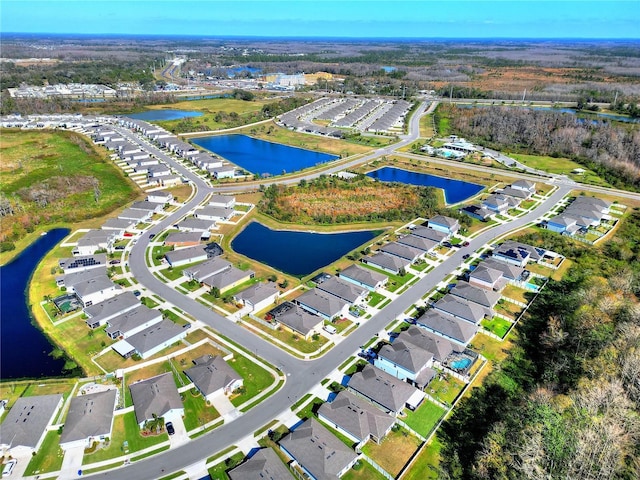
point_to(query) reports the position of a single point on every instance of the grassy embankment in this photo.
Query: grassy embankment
(52, 179)
(562, 166)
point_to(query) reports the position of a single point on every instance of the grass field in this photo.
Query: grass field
(256, 378)
(497, 326)
(49, 456)
(426, 464)
(425, 418)
(446, 390)
(363, 470)
(53, 176)
(561, 166)
(219, 472)
(426, 126)
(394, 451)
(196, 410)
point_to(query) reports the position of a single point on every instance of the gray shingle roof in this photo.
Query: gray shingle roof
(196, 224)
(93, 285)
(363, 275)
(406, 355)
(207, 269)
(181, 237)
(430, 233)
(321, 453)
(113, 306)
(342, 289)
(265, 464)
(448, 326)
(403, 251)
(89, 415)
(486, 274)
(132, 319)
(381, 388)
(518, 249)
(299, 320)
(155, 335)
(211, 373)
(189, 254)
(486, 298)
(415, 241)
(390, 262)
(27, 420)
(439, 346)
(510, 271)
(227, 278)
(322, 302)
(258, 292)
(459, 307)
(79, 277)
(445, 221)
(157, 395)
(356, 416)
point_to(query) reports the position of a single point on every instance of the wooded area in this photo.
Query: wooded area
(566, 401)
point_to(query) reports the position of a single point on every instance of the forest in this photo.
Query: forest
(565, 403)
(611, 150)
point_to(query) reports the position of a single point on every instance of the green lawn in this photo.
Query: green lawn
(425, 418)
(158, 252)
(446, 390)
(196, 410)
(394, 451)
(375, 298)
(395, 281)
(48, 458)
(256, 378)
(560, 166)
(219, 471)
(125, 428)
(363, 470)
(307, 411)
(498, 326)
(426, 464)
(190, 285)
(292, 339)
(175, 273)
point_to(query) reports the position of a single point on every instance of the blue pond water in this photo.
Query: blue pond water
(454, 190)
(160, 115)
(461, 364)
(24, 350)
(258, 156)
(297, 253)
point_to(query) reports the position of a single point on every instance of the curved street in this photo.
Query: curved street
(300, 375)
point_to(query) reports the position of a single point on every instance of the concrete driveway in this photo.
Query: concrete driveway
(71, 463)
(180, 437)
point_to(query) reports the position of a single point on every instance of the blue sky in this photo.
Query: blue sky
(319, 18)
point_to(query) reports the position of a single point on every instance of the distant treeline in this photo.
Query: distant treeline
(612, 151)
(565, 403)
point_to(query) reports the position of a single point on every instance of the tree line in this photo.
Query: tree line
(565, 403)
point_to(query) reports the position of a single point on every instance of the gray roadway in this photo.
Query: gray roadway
(301, 376)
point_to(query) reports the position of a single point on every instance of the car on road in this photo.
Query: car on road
(465, 244)
(8, 467)
(466, 256)
(137, 293)
(152, 236)
(119, 247)
(170, 429)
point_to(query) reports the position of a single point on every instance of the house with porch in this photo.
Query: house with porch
(155, 396)
(264, 464)
(132, 321)
(100, 313)
(406, 361)
(89, 419)
(403, 252)
(322, 304)
(459, 308)
(451, 328)
(387, 263)
(258, 296)
(213, 376)
(300, 321)
(444, 224)
(184, 256)
(363, 277)
(344, 290)
(152, 339)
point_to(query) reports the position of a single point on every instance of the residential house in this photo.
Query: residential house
(264, 464)
(192, 224)
(216, 214)
(136, 215)
(406, 361)
(384, 390)
(499, 203)
(460, 308)
(183, 239)
(566, 224)
(525, 186)
(25, 426)
(82, 276)
(419, 243)
(184, 256)
(516, 193)
(258, 296)
(509, 271)
(517, 253)
(93, 241)
(387, 263)
(318, 453)
(94, 290)
(364, 277)
(228, 279)
(223, 172)
(486, 277)
(356, 418)
(343, 290)
(300, 321)
(323, 304)
(152, 339)
(90, 419)
(160, 171)
(483, 297)
(443, 224)
(478, 212)
(78, 264)
(156, 396)
(150, 206)
(100, 313)
(439, 346)
(429, 234)
(213, 376)
(222, 201)
(201, 272)
(118, 226)
(403, 252)
(459, 331)
(132, 321)
(160, 196)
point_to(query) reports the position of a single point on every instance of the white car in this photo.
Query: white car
(8, 468)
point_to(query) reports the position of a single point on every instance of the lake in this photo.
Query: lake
(454, 190)
(297, 253)
(261, 157)
(161, 115)
(24, 349)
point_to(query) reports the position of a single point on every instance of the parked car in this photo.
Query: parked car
(120, 247)
(170, 429)
(152, 236)
(114, 262)
(137, 293)
(466, 256)
(8, 467)
(465, 244)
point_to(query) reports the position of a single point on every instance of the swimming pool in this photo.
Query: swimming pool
(461, 364)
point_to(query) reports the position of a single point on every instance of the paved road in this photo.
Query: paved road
(301, 376)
